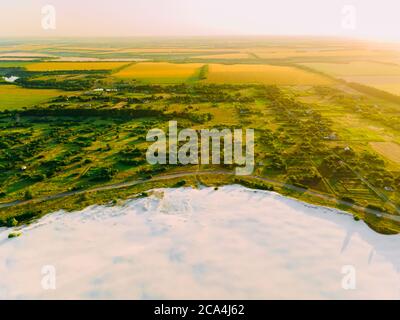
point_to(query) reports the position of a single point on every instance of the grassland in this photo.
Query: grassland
(264, 74)
(14, 98)
(161, 72)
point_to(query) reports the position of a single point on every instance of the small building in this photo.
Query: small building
(332, 136)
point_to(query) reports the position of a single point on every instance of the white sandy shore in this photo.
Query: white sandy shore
(230, 243)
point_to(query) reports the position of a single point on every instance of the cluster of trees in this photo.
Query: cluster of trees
(215, 97)
(30, 79)
(182, 89)
(333, 166)
(132, 156)
(99, 174)
(147, 173)
(67, 85)
(254, 184)
(88, 112)
(304, 176)
(194, 117)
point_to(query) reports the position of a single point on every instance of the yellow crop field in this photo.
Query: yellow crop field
(393, 88)
(266, 74)
(389, 150)
(160, 72)
(58, 66)
(280, 53)
(356, 68)
(383, 76)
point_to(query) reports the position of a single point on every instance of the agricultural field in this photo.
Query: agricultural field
(383, 76)
(389, 150)
(14, 64)
(161, 72)
(313, 53)
(264, 74)
(65, 66)
(14, 98)
(357, 68)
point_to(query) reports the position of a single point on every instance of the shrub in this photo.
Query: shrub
(101, 173)
(180, 184)
(28, 195)
(14, 235)
(348, 200)
(12, 222)
(375, 208)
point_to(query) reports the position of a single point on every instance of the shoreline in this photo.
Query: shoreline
(28, 211)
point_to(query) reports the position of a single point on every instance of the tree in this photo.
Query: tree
(28, 195)
(12, 222)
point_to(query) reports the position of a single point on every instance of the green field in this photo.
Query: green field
(14, 98)
(14, 64)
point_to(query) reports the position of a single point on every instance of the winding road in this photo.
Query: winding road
(191, 173)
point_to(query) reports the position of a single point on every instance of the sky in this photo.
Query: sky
(370, 19)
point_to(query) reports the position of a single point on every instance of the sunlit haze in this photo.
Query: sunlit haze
(373, 19)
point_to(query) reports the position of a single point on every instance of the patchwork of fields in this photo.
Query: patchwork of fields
(313, 130)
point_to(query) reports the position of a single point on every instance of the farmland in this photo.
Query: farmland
(13, 97)
(390, 150)
(384, 76)
(161, 72)
(59, 66)
(78, 125)
(13, 64)
(265, 74)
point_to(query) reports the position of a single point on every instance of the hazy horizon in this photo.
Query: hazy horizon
(367, 20)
